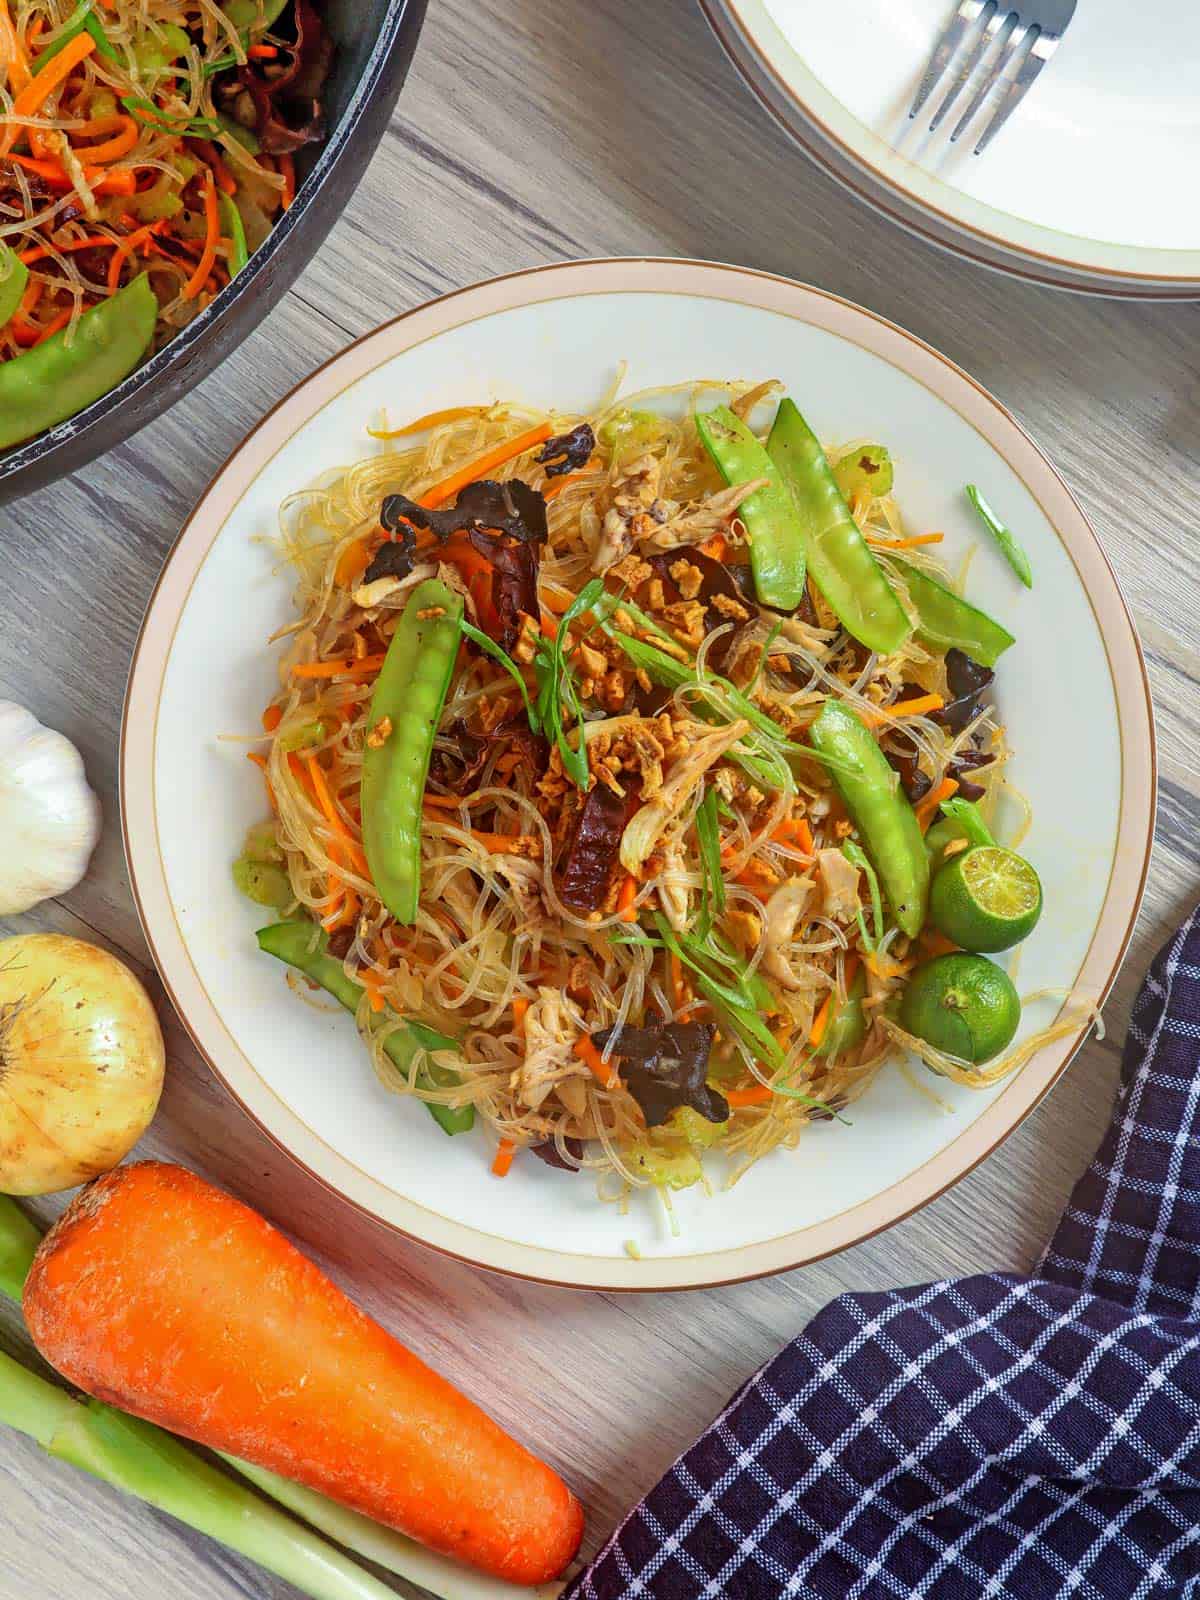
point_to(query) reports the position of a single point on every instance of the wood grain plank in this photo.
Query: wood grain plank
(530, 133)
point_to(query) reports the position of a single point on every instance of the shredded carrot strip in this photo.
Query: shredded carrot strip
(336, 668)
(556, 604)
(504, 1157)
(928, 807)
(18, 65)
(937, 943)
(119, 181)
(55, 325)
(519, 1007)
(126, 247)
(821, 1021)
(557, 486)
(345, 906)
(271, 718)
(757, 875)
(757, 1095)
(94, 241)
(466, 559)
(441, 492)
(287, 170)
(677, 990)
(353, 562)
(919, 706)
(590, 1056)
(47, 79)
(371, 983)
(325, 801)
(442, 800)
(224, 178)
(431, 419)
(907, 544)
(795, 830)
(501, 844)
(112, 149)
(627, 896)
(212, 234)
(262, 52)
(716, 547)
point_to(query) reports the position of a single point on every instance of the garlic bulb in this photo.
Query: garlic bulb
(49, 817)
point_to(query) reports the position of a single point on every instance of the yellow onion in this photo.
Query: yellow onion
(81, 1062)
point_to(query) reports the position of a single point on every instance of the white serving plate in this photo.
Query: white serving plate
(553, 336)
(1080, 190)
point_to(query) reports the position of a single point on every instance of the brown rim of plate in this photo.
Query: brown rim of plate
(824, 146)
(535, 1262)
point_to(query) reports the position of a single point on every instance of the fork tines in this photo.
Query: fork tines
(998, 47)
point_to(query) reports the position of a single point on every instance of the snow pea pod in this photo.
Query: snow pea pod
(848, 1026)
(886, 822)
(776, 539)
(946, 621)
(1010, 547)
(12, 284)
(55, 379)
(231, 221)
(305, 947)
(839, 558)
(405, 708)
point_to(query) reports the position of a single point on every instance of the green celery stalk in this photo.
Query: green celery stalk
(19, 1239)
(384, 1546)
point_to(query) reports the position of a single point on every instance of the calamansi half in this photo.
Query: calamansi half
(987, 898)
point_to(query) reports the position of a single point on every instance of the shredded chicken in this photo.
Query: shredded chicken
(643, 830)
(673, 894)
(693, 524)
(636, 511)
(782, 913)
(549, 1049)
(525, 877)
(384, 591)
(839, 885)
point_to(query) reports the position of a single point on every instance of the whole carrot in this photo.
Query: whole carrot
(162, 1295)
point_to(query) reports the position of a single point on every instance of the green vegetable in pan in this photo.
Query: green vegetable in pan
(81, 20)
(405, 709)
(772, 521)
(886, 822)
(56, 379)
(14, 275)
(946, 621)
(305, 947)
(839, 559)
(1010, 549)
(234, 228)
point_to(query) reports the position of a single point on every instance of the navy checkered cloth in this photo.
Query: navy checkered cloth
(1023, 1438)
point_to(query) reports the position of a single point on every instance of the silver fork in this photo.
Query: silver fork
(1010, 44)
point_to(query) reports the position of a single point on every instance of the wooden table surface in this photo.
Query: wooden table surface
(530, 133)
